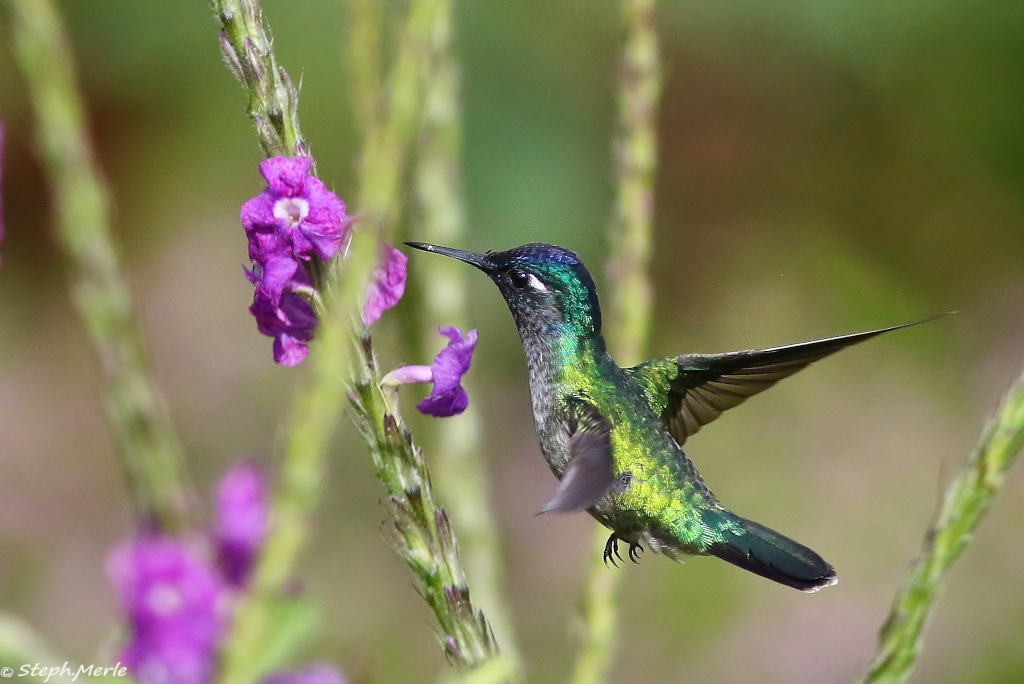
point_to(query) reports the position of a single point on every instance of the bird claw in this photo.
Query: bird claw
(611, 551)
(611, 547)
(634, 552)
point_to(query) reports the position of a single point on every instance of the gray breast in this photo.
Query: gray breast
(544, 390)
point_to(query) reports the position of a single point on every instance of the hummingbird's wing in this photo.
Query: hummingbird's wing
(692, 390)
(590, 473)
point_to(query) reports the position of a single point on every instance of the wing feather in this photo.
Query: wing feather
(691, 390)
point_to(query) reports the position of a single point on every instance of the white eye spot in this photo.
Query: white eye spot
(291, 209)
(534, 282)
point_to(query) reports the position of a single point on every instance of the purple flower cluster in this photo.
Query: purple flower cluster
(171, 596)
(297, 218)
(178, 595)
(293, 220)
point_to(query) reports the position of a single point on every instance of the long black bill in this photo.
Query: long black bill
(479, 260)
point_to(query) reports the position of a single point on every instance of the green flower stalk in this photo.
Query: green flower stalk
(364, 59)
(629, 315)
(390, 135)
(274, 107)
(147, 444)
(462, 479)
(247, 48)
(273, 98)
(424, 535)
(967, 500)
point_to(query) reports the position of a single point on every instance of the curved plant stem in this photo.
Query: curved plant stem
(425, 538)
(150, 453)
(273, 105)
(424, 534)
(462, 476)
(630, 311)
(967, 500)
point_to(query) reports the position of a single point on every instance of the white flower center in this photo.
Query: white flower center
(291, 209)
(164, 599)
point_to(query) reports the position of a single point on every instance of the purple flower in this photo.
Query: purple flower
(291, 221)
(447, 397)
(172, 597)
(296, 214)
(242, 512)
(289, 319)
(387, 284)
(319, 673)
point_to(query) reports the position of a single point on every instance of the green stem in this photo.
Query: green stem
(248, 51)
(423, 532)
(147, 444)
(629, 319)
(390, 135)
(424, 535)
(317, 405)
(636, 148)
(462, 479)
(273, 98)
(273, 105)
(364, 56)
(967, 500)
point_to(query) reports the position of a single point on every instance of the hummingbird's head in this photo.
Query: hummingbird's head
(547, 288)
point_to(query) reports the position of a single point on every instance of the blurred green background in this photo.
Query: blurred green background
(826, 167)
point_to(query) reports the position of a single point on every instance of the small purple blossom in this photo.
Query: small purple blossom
(242, 515)
(171, 594)
(318, 673)
(387, 284)
(297, 209)
(290, 320)
(448, 397)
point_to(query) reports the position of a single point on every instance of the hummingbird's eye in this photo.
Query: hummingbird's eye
(518, 278)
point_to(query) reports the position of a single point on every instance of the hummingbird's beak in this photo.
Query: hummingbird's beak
(479, 260)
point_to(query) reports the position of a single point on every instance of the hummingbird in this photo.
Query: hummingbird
(614, 436)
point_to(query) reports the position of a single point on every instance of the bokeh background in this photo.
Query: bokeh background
(826, 167)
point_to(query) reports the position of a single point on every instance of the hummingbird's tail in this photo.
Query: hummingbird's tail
(767, 553)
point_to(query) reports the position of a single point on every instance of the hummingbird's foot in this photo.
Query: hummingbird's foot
(634, 552)
(612, 547)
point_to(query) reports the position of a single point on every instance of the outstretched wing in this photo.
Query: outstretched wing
(590, 473)
(692, 390)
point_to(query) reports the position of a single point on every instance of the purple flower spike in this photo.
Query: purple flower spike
(242, 512)
(320, 673)
(386, 286)
(448, 398)
(296, 213)
(171, 596)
